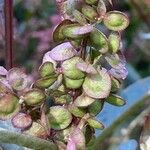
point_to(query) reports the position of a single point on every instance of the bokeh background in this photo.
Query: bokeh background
(34, 21)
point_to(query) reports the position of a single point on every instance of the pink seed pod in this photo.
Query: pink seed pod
(21, 121)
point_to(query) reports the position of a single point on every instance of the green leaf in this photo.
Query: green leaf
(59, 117)
(116, 20)
(95, 124)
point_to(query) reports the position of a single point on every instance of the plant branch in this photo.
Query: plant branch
(9, 33)
(26, 141)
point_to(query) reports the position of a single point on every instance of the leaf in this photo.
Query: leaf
(114, 42)
(46, 69)
(85, 67)
(9, 106)
(115, 100)
(21, 121)
(3, 71)
(76, 31)
(59, 117)
(34, 97)
(70, 70)
(17, 79)
(58, 34)
(116, 20)
(90, 13)
(73, 84)
(98, 85)
(95, 124)
(99, 41)
(83, 101)
(79, 17)
(62, 52)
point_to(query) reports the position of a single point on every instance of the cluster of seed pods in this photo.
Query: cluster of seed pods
(77, 77)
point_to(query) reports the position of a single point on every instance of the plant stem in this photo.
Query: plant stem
(9, 33)
(26, 141)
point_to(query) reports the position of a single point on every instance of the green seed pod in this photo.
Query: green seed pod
(116, 21)
(97, 86)
(83, 101)
(90, 13)
(114, 42)
(46, 69)
(115, 100)
(58, 34)
(76, 31)
(77, 112)
(9, 106)
(34, 97)
(99, 41)
(115, 86)
(79, 17)
(73, 84)
(76, 43)
(59, 117)
(36, 130)
(70, 70)
(95, 108)
(91, 2)
(64, 99)
(45, 82)
(95, 124)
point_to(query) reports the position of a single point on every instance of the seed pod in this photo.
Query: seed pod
(76, 43)
(59, 117)
(77, 112)
(99, 41)
(70, 70)
(79, 17)
(34, 97)
(91, 2)
(90, 13)
(95, 108)
(95, 124)
(4, 88)
(97, 86)
(115, 85)
(58, 34)
(62, 52)
(45, 82)
(115, 100)
(76, 31)
(73, 84)
(21, 121)
(9, 106)
(83, 101)
(36, 130)
(114, 42)
(17, 79)
(101, 8)
(60, 145)
(116, 21)
(3, 71)
(46, 69)
(64, 99)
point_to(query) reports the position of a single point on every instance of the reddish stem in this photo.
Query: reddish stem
(9, 33)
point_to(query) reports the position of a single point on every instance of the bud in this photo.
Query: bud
(115, 100)
(21, 121)
(34, 97)
(70, 70)
(73, 84)
(116, 21)
(99, 41)
(9, 106)
(59, 117)
(98, 85)
(114, 42)
(46, 69)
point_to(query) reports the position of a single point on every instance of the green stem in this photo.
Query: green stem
(26, 141)
(130, 112)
